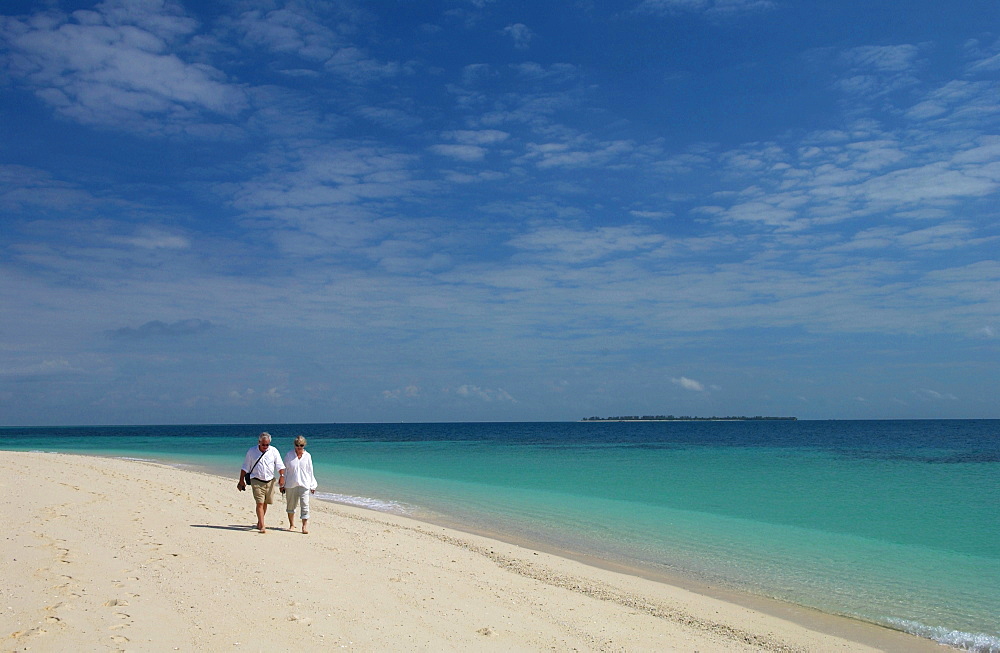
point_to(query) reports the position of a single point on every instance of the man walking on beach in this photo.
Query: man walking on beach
(259, 468)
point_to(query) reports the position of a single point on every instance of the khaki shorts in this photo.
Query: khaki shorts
(263, 491)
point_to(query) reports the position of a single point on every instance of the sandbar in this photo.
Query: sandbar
(113, 554)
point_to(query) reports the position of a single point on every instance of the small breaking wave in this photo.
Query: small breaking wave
(978, 642)
(379, 505)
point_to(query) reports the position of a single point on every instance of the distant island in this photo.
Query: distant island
(682, 418)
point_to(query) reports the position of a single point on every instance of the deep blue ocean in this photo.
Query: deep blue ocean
(893, 522)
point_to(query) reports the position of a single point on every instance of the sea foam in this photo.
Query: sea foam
(979, 642)
(369, 503)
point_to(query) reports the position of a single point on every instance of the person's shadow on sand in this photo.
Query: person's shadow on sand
(232, 527)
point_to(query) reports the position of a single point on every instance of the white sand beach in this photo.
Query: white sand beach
(108, 554)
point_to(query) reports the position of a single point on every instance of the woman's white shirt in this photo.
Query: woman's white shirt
(299, 471)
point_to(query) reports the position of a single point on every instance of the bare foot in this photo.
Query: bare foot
(305, 531)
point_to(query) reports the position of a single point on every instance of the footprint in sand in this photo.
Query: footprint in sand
(121, 615)
(113, 602)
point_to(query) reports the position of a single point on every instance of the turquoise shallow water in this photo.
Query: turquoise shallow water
(892, 522)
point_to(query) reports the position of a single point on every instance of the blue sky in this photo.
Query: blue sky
(244, 211)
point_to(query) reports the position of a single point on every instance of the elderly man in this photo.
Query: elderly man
(260, 466)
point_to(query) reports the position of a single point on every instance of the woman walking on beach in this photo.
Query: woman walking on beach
(299, 483)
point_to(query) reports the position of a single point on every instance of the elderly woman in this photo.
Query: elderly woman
(299, 483)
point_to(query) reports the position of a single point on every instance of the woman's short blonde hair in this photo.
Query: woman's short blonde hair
(299, 439)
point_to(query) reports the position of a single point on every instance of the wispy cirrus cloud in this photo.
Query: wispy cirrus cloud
(306, 174)
(24, 187)
(160, 329)
(477, 136)
(460, 152)
(409, 392)
(323, 36)
(876, 165)
(117, 66)
(469, 145)
(570, 155)
(709, 7)
(468, 391)
(293, 30)
(575, 246)
(359, 67)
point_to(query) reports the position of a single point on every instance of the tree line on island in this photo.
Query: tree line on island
(682, 418)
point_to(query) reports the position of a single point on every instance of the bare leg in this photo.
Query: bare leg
(305, 527)
(291, 521)
(261, 511)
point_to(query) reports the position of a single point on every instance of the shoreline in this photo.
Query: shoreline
(883, 638)
(172, 543)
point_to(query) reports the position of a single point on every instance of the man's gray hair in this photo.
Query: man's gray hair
(264, 437)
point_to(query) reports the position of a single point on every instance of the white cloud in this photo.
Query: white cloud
(107, 68)
(303, 175)
(470, 145)
(871, 72)
(578, 245)
(652, 215)
(158, 329)
(934, 181)
(727, 7)
(981, 58)
(485, 394)
(23, 188)
(164, 18)
(356, 65)
(477, 137)
(288, 30)
(884, 58)
(409, 392)
(688, 384)
(520, 33)
(573, 155)
(149, 238)
(392, 117)
(460, 152)
(709, 7)
(934, 395)
(46, 367)
(557, 72)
